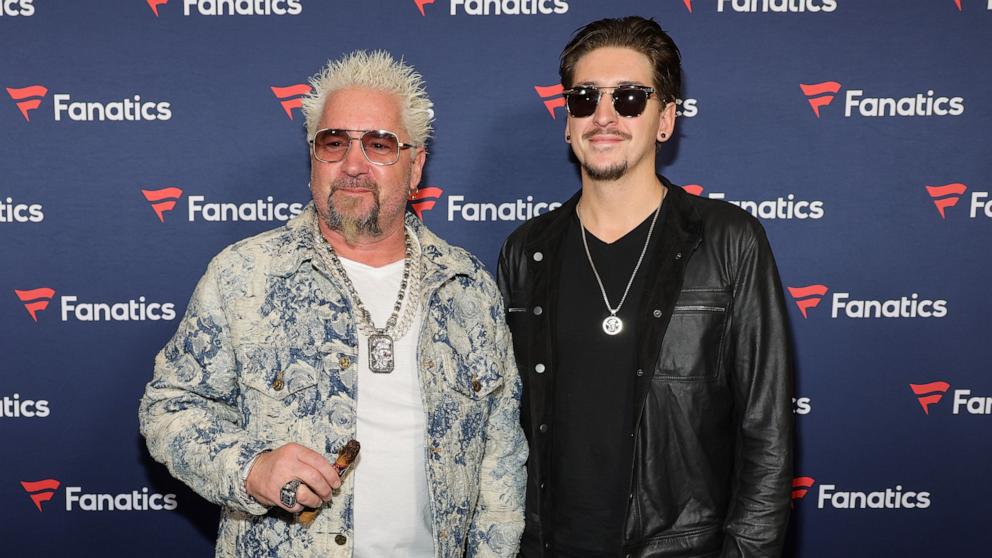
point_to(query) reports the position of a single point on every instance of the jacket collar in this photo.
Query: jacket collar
(441, 261)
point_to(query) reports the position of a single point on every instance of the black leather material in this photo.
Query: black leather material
(712, 463)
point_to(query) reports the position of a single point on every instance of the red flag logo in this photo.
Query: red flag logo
(688, 5)
(929, 394)
(800, 486)
(35, 300)
(163, 200)
(27, 98)
(820, 94)
(41, 491)
(154, 4)
(807, 297)
(958, 4)
(552, 96)
(946, 196)
(420, 5)
(694, 189)
(424, 200)
(290, 97)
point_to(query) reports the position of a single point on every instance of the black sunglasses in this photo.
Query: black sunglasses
(628, 100)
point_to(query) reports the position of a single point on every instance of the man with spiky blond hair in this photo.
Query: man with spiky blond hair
(351, 322)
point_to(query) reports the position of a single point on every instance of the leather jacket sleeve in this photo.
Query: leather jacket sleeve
(762, 385)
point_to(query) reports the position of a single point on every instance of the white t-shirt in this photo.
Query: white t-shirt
(391, 510)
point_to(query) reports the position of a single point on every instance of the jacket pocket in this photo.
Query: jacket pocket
(694, 341)
(279, 387)
(471, 376)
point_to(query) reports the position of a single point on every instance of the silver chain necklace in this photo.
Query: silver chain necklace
(382, 353)
(613, 325)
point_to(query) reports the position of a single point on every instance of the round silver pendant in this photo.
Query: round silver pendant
(612, 325)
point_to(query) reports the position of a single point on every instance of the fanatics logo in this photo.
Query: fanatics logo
(424, 200)
(787, 207)
(820, 94)
(154, 4)
(162, 200)
(929, 394)
(919, 104)
(553, 97)
(807, 297)
(27, 98)
(41, 491)
(946, 196)
(234, 7)
(420, 5)
(777, 6)
(800, 486)
(688, 5)
(291, 96)
(35, 300)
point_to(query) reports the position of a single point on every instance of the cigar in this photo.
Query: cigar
(346, 457)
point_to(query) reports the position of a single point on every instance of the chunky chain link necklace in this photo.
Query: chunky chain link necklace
(382, 353)
(613, 325)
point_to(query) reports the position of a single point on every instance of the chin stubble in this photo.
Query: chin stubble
(343, 218)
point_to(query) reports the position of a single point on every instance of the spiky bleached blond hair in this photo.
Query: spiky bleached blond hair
(379, 71)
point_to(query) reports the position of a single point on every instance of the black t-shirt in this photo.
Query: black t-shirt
(593, 411)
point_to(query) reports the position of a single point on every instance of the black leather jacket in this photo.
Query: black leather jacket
(712, 463)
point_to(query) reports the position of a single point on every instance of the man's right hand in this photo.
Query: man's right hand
(272, 470)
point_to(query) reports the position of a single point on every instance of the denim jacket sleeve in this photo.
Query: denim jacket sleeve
(498, 520)
(189, 412)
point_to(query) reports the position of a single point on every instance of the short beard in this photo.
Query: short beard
(352, 227)
(608, 174)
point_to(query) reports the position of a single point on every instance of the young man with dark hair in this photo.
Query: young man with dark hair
(650, 332)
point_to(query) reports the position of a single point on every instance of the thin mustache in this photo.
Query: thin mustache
(370, 186)
(617, 133)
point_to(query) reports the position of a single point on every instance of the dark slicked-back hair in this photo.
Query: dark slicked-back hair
(633, 32)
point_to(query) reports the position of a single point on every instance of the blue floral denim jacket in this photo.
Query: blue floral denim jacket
(266, 355)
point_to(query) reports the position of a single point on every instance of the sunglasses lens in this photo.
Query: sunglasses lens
(381, 147)
(331, 145)
(582, 101)
(629, 102)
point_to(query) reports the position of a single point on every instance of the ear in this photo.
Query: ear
(666, 124)
(568, 134)
(417, 168)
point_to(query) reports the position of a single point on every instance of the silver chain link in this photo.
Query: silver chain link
(602, 289)
(411, 270)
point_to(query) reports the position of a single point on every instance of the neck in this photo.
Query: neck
(375, 251)
(609, 210)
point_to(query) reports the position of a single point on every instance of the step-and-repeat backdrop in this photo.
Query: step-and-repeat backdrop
(140, 137)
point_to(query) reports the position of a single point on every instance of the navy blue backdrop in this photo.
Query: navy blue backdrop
(142, 136)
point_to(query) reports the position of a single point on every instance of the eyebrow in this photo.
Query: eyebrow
(592, 83)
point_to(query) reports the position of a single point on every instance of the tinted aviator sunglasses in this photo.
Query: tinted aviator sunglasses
(381, 147)
(628, 100)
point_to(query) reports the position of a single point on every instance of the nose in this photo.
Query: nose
(354, 162)
(605, 113)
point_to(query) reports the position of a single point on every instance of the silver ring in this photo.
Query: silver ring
(287, 494)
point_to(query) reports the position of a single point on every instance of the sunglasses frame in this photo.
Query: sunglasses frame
(599, 97)
(400, 145)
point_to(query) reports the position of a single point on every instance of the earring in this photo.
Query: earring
(568, 138)
(664, 135)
